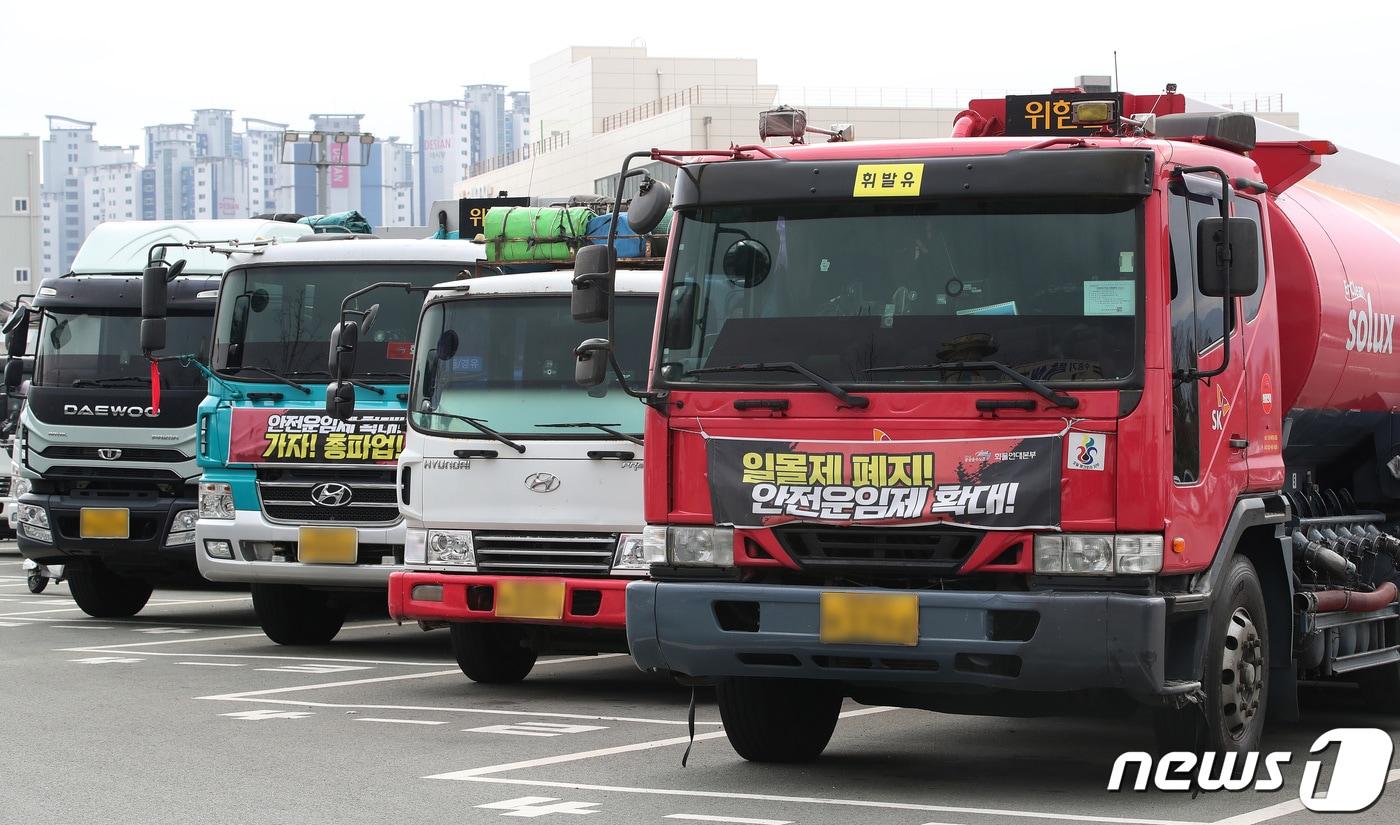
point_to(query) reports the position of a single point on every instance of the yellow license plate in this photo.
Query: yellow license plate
(104, 523)
(870, 618)
(327, 545)
(530, 600)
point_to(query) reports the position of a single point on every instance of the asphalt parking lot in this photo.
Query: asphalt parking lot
(187, 713)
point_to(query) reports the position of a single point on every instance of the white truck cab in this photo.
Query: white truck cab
(521, 491)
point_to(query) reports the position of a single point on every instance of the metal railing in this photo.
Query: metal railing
(557, 140)
(1244, 102)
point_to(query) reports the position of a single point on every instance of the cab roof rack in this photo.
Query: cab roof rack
(1233, 131)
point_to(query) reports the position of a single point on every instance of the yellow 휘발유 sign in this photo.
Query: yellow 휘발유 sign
(888, 180)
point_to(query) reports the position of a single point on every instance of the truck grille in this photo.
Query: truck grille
(573, 554)
(935, 550)
(4, 485)
(123, 454)
(285, 493)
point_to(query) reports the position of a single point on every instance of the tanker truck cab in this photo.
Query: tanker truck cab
(521, 491)
(995, 425)
(300, 505)
(108, 476)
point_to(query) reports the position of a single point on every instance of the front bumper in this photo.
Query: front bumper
(592, 603)
(1079, 640)
(250, 534)
(149, 519)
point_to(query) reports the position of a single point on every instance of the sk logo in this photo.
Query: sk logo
(880, 435)
(1222, 411)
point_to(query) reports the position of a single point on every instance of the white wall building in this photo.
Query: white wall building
(395, 189)
(168, 179)
(111, 191)
(442, 133)
(21, 215)
(51, 222)
(220, 188)
(262, 147)
(591, 106)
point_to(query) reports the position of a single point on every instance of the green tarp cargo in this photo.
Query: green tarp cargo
(535, 233)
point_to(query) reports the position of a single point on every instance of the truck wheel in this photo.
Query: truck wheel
(102, 594)
(1236, 675)
(292, 615)
(778, 720)
(493, 654)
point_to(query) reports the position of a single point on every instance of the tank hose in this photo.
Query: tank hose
(1347, 601)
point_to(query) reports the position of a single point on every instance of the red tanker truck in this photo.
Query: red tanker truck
(1088, 408)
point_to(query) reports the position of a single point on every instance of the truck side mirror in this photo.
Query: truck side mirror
(340, 400)
(154, 280)
(16, 331)
(14, 374)
(591, 362)
(649, 206)
(680, 317)
(1239, 239)
(152, 334)
(345, 337)
(595, 269)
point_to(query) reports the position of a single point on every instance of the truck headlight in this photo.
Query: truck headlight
(19, 486)
(215, 500)
(36, 533)
(635, 555)
(34, 515)
(182, 528)
(1098, 554)
(451, 547)
(699, 546)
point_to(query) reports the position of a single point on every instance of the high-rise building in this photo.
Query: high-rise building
(387, 185)
(111, 191)
(220, 188)
(69, 149)
(167, 190)
(21, 215)
(262, 142)
(442, 133)
(517, 121)
(486, 112)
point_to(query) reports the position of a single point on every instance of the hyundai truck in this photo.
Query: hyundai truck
(521, 492)
(302, 506)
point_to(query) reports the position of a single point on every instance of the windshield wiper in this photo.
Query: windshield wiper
(274, 376)
(858, 401)
(102, 382)
(481, 427)
(1058, 399)
(607, 428)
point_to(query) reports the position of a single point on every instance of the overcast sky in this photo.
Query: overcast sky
(125, 65)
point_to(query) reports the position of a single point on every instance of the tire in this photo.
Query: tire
(102, 594)
(292, 615)
(37, 583)
(1235, 682)
(778, 720)
(493, 654)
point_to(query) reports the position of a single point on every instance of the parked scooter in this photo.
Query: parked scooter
(39, 575)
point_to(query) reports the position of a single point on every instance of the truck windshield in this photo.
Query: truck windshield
(102, 348)
(850, 291)
(509, 362)
(279, 318)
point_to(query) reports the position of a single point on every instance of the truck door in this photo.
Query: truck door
(1259, 359)
(1209, 420)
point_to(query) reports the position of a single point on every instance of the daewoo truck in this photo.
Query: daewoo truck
(107, 478)
(302, 506)
(1089, 407)
(521, 492)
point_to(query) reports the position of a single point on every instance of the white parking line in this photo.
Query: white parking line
(258, 696)
(816, 800)
(1282, 809)
(739, 820)
(181, 603)
(211, 664)
(399, 721)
